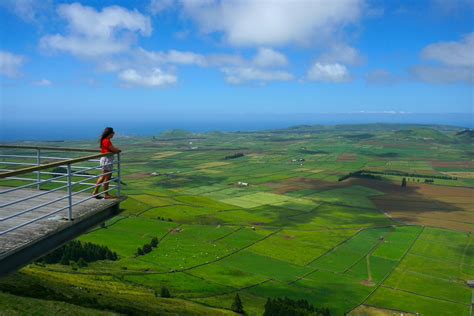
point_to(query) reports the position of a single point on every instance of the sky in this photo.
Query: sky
(212, 59)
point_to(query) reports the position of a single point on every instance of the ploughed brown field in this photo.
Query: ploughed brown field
(347, 157)
(296, 184)
(429, 205)
(452, 164)
(421, 204)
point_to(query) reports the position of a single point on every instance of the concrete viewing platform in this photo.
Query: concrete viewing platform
(33, 240)
(46, 201)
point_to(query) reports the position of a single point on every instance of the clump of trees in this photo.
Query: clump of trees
(79, 252)
(360, 174)
(234, 156)
(411, 175)
(164, 219)
(237, 305)
(375, 175)
(286, 306)
(147, 247)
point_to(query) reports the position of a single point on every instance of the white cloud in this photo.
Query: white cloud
(10, 64)
(235, 68)
(452, 53)
(341, 53)
(264, 57)
(455, 62)
(93, 33)
(152, 79)
(331, 65)
(267, 57)
(273, 22)
(444, 75)
(332, 73)
(43, 83)
(83, 47)
(243, 74)
(224, 60)
(28, 10)
(171, 57)
(158, 6)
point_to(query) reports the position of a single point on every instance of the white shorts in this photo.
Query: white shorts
(107, 163)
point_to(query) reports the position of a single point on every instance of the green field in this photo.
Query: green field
(294, 231)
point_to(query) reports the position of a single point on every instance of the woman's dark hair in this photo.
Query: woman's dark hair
(107, 132)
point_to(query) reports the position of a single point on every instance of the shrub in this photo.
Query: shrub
(286, 306)
(154, 242)
(237, 305)
(82, 263)
(234, 156)
(147, 248)
(165, 292)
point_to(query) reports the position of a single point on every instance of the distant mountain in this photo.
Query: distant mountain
(422, 133)
(466, 135)
(466, 132)
(369, 127)
(175, 133)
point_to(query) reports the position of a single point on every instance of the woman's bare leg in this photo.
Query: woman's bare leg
(98, 183)
(106, 185)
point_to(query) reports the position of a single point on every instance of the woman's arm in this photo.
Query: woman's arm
(114, 149)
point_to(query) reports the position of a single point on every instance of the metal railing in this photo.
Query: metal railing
(46, 175)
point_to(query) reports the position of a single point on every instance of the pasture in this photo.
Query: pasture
(364, 246)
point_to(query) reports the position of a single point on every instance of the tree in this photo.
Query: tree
(154, 242)
(237, 305)
(404, 182)
(165, 292)
(81, 263)
(140, 252)
(147, 248)
(287, 306)
(64, 260)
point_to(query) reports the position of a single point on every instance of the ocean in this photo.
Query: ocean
(62, 130)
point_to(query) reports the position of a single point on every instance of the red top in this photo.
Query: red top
(105, 146)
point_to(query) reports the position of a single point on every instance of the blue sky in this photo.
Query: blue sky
(191, 59)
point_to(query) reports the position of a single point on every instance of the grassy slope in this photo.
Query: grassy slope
(12, 305)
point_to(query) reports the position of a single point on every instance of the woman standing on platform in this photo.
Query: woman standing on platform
(106, 162)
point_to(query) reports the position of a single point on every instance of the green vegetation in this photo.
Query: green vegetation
(288, 306)
(80, 252)
(234, 156)
(147, 247)
(237, 305)
(324, 226)
(14, 305)
(165, 293)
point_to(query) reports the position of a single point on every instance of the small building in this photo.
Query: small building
(242, 184)
(470, 283)
(155, 173)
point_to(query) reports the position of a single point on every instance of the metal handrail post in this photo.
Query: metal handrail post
(38, 173)
(119, 175)
(69, 191)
